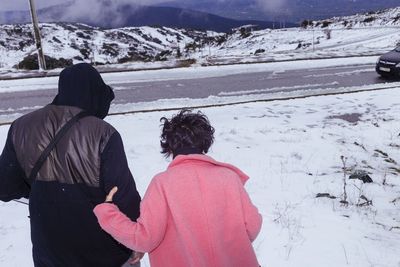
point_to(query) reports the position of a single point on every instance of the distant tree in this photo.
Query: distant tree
(178, 52)
(259, 51)
(31, 62)
(328, 33)
(244, 32)
(325, 24)
(369, 19)
(305, 23)
(192, 46)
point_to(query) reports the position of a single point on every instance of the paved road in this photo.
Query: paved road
(236, 85)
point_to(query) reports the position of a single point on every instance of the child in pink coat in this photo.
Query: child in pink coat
(197, 212)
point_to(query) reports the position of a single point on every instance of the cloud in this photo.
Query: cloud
(273, 5)
(88, 5)
(96, 11)
(88, 11)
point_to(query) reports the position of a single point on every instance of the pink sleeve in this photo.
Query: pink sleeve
(145, 234)
(253, 219)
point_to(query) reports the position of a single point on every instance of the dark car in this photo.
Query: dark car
(389, 64)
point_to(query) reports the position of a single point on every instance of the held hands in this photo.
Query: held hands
(110, 195)
(136, 256)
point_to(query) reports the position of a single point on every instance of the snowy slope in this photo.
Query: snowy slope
(387, 17)
(292, 151)
(363, 34)
(84, 43)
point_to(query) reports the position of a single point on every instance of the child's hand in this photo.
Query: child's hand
(110, 195)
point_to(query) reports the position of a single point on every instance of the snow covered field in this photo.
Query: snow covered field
(292, 151)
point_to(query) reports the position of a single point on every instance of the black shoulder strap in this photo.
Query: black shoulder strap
(53, 143)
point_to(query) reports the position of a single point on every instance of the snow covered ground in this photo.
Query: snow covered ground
(292, 150)
(148, 47)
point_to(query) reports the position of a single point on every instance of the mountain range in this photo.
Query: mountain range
(216, 15)
(284, 10)
(363, 34)
(127, 15)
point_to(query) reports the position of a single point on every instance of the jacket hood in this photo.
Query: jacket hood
(204, 158)
(81, 86)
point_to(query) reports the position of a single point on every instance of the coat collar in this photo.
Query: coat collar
(181, 159)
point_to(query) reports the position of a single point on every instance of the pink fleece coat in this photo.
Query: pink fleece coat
(195, 214)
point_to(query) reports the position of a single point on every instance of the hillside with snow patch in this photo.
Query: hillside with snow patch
(372, 33)
(80, 42)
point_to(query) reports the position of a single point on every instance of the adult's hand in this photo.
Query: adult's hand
(136, 257)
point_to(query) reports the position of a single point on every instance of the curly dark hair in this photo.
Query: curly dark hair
(186, 130)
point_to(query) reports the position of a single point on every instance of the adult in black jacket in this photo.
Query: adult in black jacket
(79, 172)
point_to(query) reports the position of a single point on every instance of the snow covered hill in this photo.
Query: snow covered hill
(365, 34)
(80, 42)
(372, 33)
(388, 17)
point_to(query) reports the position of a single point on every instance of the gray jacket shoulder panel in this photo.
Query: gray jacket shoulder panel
(75, 159)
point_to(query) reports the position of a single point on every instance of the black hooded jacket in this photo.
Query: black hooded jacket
(79, 172)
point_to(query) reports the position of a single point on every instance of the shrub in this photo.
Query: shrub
(185, 63)
(192, 46)
(178, 52)
(328, 33)
(31, 62)
(244, 33)
(305, 23)
(110, 49)
(82, 35)
(163, 55)
(325, 24)
(221, 39)
(55, 39)
(259, 51)
(85, 53)
(135, 56)
(369, 19)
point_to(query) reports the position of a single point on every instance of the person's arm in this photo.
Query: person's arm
(149, 230)
(114, 171)
(252, 218)
(13, 184)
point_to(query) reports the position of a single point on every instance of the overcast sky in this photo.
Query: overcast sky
(24, 4)
(91, 11)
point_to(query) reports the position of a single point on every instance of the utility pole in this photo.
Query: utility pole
(36, 31)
